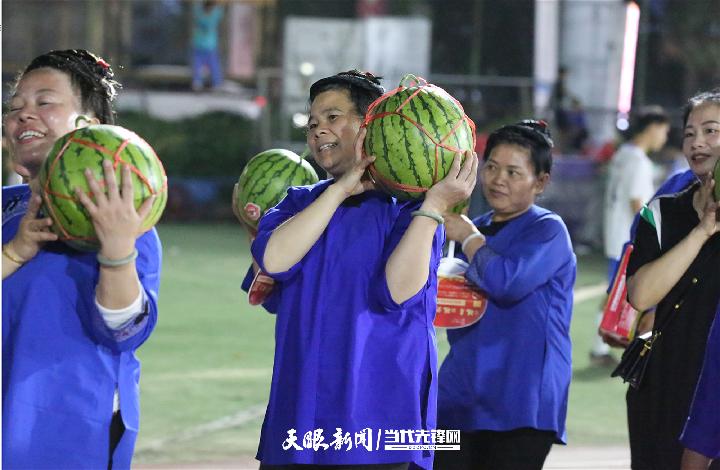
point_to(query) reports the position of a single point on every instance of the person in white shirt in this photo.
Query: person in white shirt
(629, 186)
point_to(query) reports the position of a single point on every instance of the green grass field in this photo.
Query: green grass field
(207, 367)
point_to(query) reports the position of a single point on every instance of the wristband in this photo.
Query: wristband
(433, 215)
(11, 257)
(469, 238)
(117, 262)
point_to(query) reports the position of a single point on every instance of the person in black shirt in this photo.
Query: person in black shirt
(675, 266)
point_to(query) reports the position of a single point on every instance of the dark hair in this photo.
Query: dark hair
(530, 134)
(89, 74)
(711, 97)
(364, 88)
(646, 117)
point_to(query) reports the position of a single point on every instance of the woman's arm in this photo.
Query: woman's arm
(30, 237)
(653, 281)
(291, 241)
(117, 225)
(407, 268)
(692, 460)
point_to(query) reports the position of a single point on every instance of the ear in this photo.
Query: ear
(540, 183)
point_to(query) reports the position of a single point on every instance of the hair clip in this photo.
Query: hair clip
(101, 62)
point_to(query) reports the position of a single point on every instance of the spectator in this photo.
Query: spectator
(205, 55)
(630, 184)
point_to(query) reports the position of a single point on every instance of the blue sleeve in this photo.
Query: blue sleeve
(702, 429)
(248, 279)
(381, 292)
(131, 336)
(297, 199)
(536, 256)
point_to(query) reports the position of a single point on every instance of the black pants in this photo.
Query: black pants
(380, 466)
(519, 449)
(117, 428)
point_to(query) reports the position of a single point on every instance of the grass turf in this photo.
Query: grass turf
(207, 367)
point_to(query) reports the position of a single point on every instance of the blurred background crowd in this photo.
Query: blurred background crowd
(210, 84)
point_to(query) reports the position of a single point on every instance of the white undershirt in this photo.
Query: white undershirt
(116, 319)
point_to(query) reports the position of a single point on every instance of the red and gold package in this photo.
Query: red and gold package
(459, 304)
(619, 317)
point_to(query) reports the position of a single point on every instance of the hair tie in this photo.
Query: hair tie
(81, 118)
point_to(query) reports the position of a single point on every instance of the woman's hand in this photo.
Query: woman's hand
(458, 227)
(32, 233)
(456, 187)
(353, 181)
(707, 208)
(114, 217)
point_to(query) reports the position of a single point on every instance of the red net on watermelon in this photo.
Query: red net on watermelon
(414, 131)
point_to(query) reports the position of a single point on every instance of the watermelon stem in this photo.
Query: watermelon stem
(410, 80)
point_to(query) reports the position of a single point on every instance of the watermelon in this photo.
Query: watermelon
(88, 147)
(265, 179)
(716, 177)
(414, 132)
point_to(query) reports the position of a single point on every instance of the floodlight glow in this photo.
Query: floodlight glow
(627, 69)
(300, 119)
(307, 69)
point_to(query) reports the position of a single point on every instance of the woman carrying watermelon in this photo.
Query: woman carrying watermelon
(70, 325)
(356, 285)
(505, 381)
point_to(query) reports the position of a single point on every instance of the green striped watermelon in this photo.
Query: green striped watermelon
(87, 147)
(414, 132)
(265, 179)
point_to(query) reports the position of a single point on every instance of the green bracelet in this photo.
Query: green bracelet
(117, 262)
(436, 217)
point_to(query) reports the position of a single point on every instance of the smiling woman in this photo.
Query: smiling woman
(71, 320)
(355, 288)
(675, 266)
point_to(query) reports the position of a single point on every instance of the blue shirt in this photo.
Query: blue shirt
(61, 364)
(702, 429)
(205, 26)
(512, 369)
(346, 355)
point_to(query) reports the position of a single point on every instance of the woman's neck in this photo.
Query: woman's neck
(504, 217)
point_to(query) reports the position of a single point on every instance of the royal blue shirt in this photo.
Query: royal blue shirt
(347, 357)
(61, 364)
(512, 369)
(702, 429)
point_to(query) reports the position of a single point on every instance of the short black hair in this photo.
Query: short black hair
(91, 76)
(645, 117)
(529, 133)
(364, 88)
(705, 97)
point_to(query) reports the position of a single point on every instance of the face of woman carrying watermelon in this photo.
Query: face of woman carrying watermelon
(509, 182)
(44, 108)
(332, 128)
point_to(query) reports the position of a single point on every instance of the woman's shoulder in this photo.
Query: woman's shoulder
(680, 199)
(544, 216)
